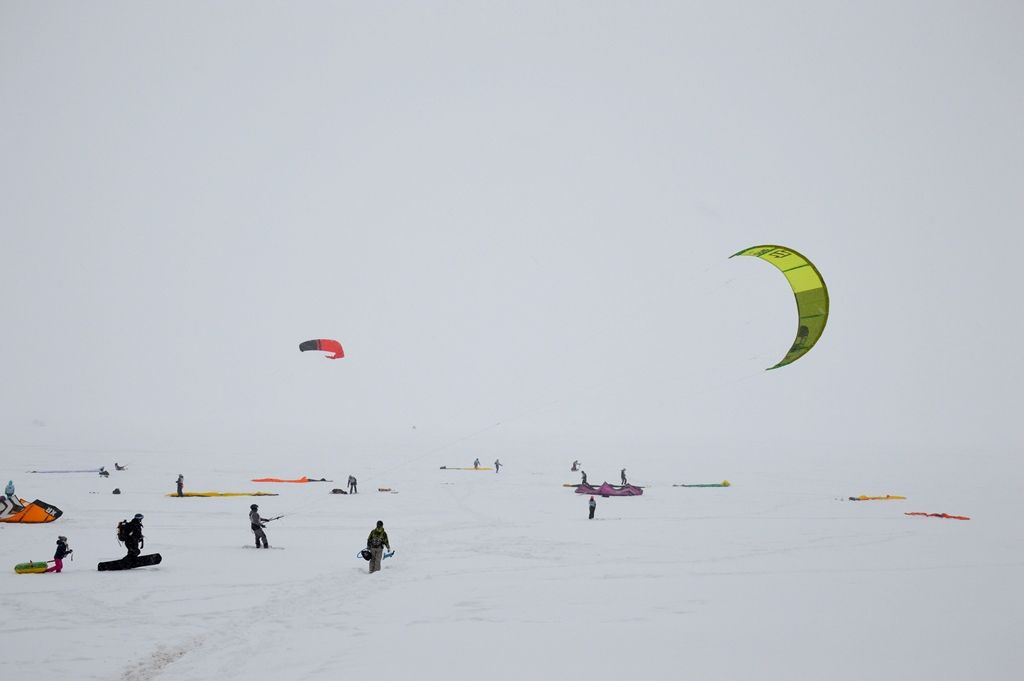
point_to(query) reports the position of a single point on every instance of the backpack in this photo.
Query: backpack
(122, 531)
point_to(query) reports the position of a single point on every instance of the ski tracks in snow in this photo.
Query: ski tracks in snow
(158, 661)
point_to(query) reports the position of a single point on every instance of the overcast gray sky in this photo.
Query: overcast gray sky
(508, 212)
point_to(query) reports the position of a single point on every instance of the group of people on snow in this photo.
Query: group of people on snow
(497, 464)
(583, 473)
(592, 504)
(376, 542)
(131, 534)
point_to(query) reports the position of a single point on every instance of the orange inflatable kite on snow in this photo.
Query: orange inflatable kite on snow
(302, 479)
(35, 512)
(887, 497)
(939, 515)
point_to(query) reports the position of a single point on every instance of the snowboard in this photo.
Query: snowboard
(387, 554)
(129, 563)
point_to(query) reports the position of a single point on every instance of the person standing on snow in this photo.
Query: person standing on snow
(622, 474)
(376, 542)
(583, 474)
(476, 462)
(60, 554)
(256, 522)
(133, 539)
(181, 485)
(593, 507)
(497, 465)
(352, 485)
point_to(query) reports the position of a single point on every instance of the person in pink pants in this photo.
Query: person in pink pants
(60, 554)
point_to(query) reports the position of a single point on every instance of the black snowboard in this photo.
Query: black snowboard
(129, 563)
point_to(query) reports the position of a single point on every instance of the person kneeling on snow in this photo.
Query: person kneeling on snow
(376, 542)
(12, 499)
(256, 522)
(60, 554)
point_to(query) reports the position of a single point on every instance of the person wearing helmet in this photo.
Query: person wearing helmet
(376, 542)
(60, 554)
(256, 523)
(181, 485)
(593, 507)
(133, 540)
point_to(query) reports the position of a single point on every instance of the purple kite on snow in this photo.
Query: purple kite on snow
(606, 490)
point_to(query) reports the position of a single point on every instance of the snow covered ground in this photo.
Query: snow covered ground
(514, 214)
(501, 576)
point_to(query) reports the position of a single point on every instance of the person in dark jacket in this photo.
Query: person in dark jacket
(133, 540)
(622, 475)
(60, 554)
(583, 475)
(376, 542)
(497, 465)
(352, 482)
(593, 507)
(181, 485)
(256, 522)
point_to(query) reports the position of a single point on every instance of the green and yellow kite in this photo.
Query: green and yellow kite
(809, 289)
